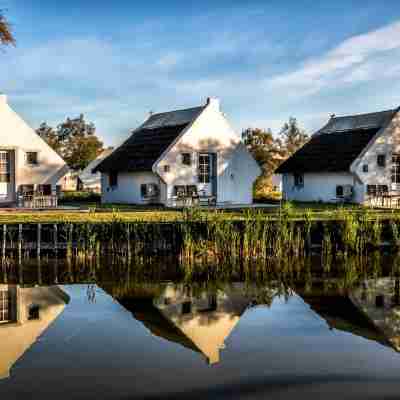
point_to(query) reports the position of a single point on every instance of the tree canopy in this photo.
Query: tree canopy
(6, 36)
(271, 150)
(74, 139)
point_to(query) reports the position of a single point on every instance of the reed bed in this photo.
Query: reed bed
(201, 239)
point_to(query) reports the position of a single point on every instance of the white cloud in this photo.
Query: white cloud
(354, 60)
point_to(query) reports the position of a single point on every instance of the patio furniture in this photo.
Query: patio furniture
(37, 200)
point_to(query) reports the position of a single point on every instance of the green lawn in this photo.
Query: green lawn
(95, 212)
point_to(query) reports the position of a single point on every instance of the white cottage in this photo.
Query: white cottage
(90, 180)
(27, 163)
(352, 158)
(191, 153)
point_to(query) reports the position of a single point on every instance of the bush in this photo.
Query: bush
(75, 196)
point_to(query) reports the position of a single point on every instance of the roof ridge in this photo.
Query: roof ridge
(365, 114)
(177, 110)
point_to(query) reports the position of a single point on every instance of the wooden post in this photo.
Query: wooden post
(20, 243)
(4, 241)
(55, 240)
(39, 240)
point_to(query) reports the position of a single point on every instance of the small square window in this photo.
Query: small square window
(186, 159)
(33, 312)
(298, 180)
(365, 168)
(31, 157)
(381, 160)
(166, 168)
(339, 191)
(186, 307)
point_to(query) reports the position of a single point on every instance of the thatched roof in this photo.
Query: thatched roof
(334, 147)
(148, 142)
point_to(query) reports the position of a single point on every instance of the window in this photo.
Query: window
(31, 157)
(186, 159)
(381, 160)
(167, 168)
(26, 189)
(298, 180)
(180, 191)
(143, 190)
(149, 190)
(33, 312)
(45, 190)
(377, 190)
(183, 191)
(113, 179)
(204, 168)
(4, 166)
(4, 306)
(339, 191)
(186, 307)
(365, 168)
(395, 168)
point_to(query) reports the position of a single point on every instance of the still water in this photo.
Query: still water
(164, 339)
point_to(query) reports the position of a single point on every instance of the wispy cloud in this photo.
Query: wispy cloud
(117, 82)
(360, 58)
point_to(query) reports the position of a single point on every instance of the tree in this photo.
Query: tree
(266, 151)
(6, 36)
(74, 139)
(50, 136)
(292, 137)
(270, 151)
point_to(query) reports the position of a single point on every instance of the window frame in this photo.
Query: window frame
(381, 160)
(146, 193)
(395, 169)
(5, 167)
(204, 168)
(365, 168)
(338, 195)
(298, 180)
(186, 159)
(29, 161)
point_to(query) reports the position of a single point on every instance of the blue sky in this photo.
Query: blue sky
(266, 60)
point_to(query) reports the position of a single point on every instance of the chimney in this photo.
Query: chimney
(213, 102)
(3, 98)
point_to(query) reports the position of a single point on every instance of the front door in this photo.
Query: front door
(205, 174)
(5, 175)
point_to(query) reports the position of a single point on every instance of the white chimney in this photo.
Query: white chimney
(213, 102)
(3, 98)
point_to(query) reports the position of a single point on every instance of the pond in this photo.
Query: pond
(109, 333)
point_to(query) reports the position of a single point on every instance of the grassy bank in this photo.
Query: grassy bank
(88, 212)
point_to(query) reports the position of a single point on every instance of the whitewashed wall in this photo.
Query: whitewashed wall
(212, 133)
(317, 186)
(386, 142)
(17, 135)
(128, 189)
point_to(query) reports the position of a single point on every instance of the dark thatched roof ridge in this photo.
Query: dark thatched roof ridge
(334, 147)
(148, 142)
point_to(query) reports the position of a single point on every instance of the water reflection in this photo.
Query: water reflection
(158, 333)
(379, 301)
(198, 320)
(25, 313)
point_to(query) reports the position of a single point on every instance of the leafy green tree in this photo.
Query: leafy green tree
(270, 151)
(75, 140)
(48, 133)
(266, 151)
(292, 137)
(6, 36)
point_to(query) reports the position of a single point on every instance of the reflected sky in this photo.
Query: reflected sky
(118, 348)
